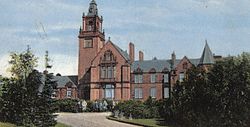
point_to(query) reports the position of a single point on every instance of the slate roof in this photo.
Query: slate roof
(158, 65)
(74, 79)
(207, 56)
(123, 53)
(62, 81)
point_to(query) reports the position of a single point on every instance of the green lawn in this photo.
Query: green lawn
(61, 125)
(142, 122)
(12, 125)
(6, 125)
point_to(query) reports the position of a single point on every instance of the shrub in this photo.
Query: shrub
(138, 109)
(67, 105)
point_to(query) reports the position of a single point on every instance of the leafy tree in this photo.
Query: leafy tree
(22, 64)
(26, 98)
(1, 85)
(229, 82)
(217, 98)
(191, 100)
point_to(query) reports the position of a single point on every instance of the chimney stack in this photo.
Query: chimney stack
(173, 60)
(141, 56)
(132, 52)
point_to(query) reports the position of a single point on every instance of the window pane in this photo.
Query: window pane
(153, 92)
(166, 78)
(103, 71)
(166, 92)
(140, 78)
(181, 77)
(153, 77)
(109, 91)
(69, 93)
(136, 78)
(138, 93)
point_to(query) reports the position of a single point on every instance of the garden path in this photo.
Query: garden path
(89, 120)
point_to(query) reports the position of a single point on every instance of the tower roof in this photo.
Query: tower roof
(93, 11)
(207, 56)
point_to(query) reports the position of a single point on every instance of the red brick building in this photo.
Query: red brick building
(66, 87)
(106, 71)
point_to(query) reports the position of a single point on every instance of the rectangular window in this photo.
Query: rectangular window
(166, 78)
(69, 92)
(109, 91)
(138, 78)
(153, 78)
(110, 72)
(181, 77)
(103, 72)
(88, 43)
(107, 72)
(138, 93)
(153, 92)
(166, 92)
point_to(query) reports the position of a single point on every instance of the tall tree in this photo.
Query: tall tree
(218, 98)
(26, 98)
(229, 82)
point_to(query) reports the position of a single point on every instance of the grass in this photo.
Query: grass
(6, 125)
(62, 125)
(142, 122)
(12, 125)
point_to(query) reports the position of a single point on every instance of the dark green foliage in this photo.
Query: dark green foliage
(11, 102)
(46, 107)
(148, 109)
(219, 98)
(26, 97)
(67, 105)
(229, 82)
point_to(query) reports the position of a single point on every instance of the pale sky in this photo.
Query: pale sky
(157, 27)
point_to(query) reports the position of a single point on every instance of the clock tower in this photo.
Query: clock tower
(91, 40)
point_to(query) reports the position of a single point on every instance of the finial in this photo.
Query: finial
(80, 30)
(173, 53)
(28, 48)
(47, 60)
(83, 14)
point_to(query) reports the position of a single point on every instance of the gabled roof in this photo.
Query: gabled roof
(207, 56)
(123, 53)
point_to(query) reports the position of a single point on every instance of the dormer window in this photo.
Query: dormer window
(108, 56)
